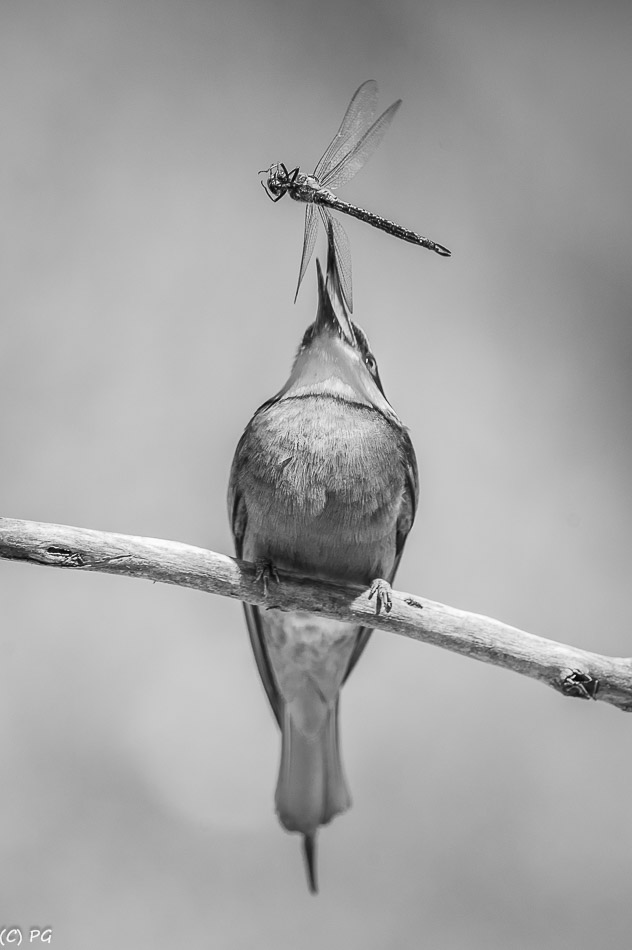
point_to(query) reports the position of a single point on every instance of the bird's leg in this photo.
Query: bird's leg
(266, 571)
(381, 590)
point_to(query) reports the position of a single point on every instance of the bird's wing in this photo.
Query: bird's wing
(404, 524)
(410, 499)
(262, 659)
(239, 519)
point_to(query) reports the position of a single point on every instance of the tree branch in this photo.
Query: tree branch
(571, 671)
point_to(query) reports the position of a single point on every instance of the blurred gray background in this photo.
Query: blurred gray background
(146, 299)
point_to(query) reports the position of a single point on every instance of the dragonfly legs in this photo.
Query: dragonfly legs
(269, 193)
(290, 176)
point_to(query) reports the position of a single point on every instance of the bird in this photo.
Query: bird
(324, 483)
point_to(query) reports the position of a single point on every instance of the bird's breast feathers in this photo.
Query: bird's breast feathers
(322, 480)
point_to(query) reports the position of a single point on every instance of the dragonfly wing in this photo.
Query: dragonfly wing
(356, 120)
(352, 161)
(309, 239)
(342, 251)
(334, 289)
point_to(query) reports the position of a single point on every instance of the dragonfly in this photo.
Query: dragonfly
(351, 147)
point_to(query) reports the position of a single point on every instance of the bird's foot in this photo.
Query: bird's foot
(579, 684)
(381, 590)
(266, 572)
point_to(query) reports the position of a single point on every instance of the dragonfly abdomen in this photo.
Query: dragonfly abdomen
(325, 197)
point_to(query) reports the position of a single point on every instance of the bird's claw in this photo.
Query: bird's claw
(579, 684)
(381, 590)
(266, 572)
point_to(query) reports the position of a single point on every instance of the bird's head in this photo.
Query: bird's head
(334, 358)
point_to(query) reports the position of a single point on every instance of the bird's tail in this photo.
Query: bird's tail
(311, 788)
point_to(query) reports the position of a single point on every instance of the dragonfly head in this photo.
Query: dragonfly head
(278, 180)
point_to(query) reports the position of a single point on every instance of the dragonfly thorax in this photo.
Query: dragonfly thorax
(281, 181)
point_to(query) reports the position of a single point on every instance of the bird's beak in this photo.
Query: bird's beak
(332, 359)
(332, 313)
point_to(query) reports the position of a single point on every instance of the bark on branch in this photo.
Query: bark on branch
(571, 671)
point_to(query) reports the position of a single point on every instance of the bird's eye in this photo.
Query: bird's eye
(370, 363)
